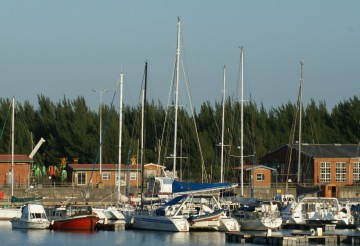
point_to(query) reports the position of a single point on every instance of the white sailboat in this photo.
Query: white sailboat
(318, 210)
(151, 220)
(114, 213)
(257, 215)
(9, 213)
(262, 216)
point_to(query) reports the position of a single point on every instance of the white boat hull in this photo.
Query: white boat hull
(318, 210)
(260, 224)
(159, 223)
(9, 213)
(20, 224)
(219, 223)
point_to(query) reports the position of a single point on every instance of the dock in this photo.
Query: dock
(292, 240)
(115, 226)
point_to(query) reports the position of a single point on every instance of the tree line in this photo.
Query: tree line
(71, 130)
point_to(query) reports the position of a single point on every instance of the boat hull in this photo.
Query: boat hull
(215, 221)
(87, 222)
(8, 213)
(159, 223)
(260, 224)
(20, 224)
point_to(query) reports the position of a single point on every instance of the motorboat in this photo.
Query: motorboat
(73, 217)
(318, 210)
(33, 216)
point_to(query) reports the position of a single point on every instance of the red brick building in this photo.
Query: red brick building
(80, 174)
(22, 166)
(338, 164)
(262, 175)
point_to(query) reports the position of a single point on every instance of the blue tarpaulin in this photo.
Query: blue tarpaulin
(188, 187)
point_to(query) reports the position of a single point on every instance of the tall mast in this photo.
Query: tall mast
(242, 122)
(176, 94)
(12, 145)
(120, 133)
(222, 131)
(143, 130)
(300, 121)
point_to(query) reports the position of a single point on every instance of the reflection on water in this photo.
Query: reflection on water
(102, 238)
(12, 237)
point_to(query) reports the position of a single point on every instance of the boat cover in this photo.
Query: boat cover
(190, 187)
(303, 190)
(25, 199)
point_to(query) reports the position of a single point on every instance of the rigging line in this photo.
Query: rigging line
(167, 113)
(3, 128)
(24, 122)
(194, 121)
(97, 154)
(134, 129)
(292, 136)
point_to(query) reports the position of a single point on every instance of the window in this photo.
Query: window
(356, 172)
(81, 178)
(123, 179)
(340, 171)
(260, 177)
(133, 176)
(105, 176)
(150, 173)
(325, 172)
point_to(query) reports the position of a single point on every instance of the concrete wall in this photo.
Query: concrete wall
(107, 196)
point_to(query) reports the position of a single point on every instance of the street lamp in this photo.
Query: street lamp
(222, 145)
(100, 141)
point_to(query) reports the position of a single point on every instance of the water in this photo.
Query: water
(10, 237)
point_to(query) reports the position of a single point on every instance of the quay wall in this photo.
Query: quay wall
(108, 195)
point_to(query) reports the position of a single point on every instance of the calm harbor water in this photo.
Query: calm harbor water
(12, 237)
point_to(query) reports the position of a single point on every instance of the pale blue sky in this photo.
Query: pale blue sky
(68, 47)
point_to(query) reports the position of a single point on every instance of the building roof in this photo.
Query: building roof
(17, 158)
(153, 164)
(249, 167)
(104, 167)
(325, 150)
(329, 150)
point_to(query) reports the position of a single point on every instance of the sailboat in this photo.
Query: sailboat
(9, 213)
(114, 213)
(260, 215)
(170, 188)
(151, 220)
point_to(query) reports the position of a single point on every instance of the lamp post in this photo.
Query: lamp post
(100, 128)
(222, 145)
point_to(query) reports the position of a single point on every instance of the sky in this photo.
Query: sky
(65, 49)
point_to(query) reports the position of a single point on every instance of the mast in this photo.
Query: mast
(300, 121)
(176, 94)
(242, 122)
(120, 133)
(12, 145)
(222, 132)
(143, 131)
